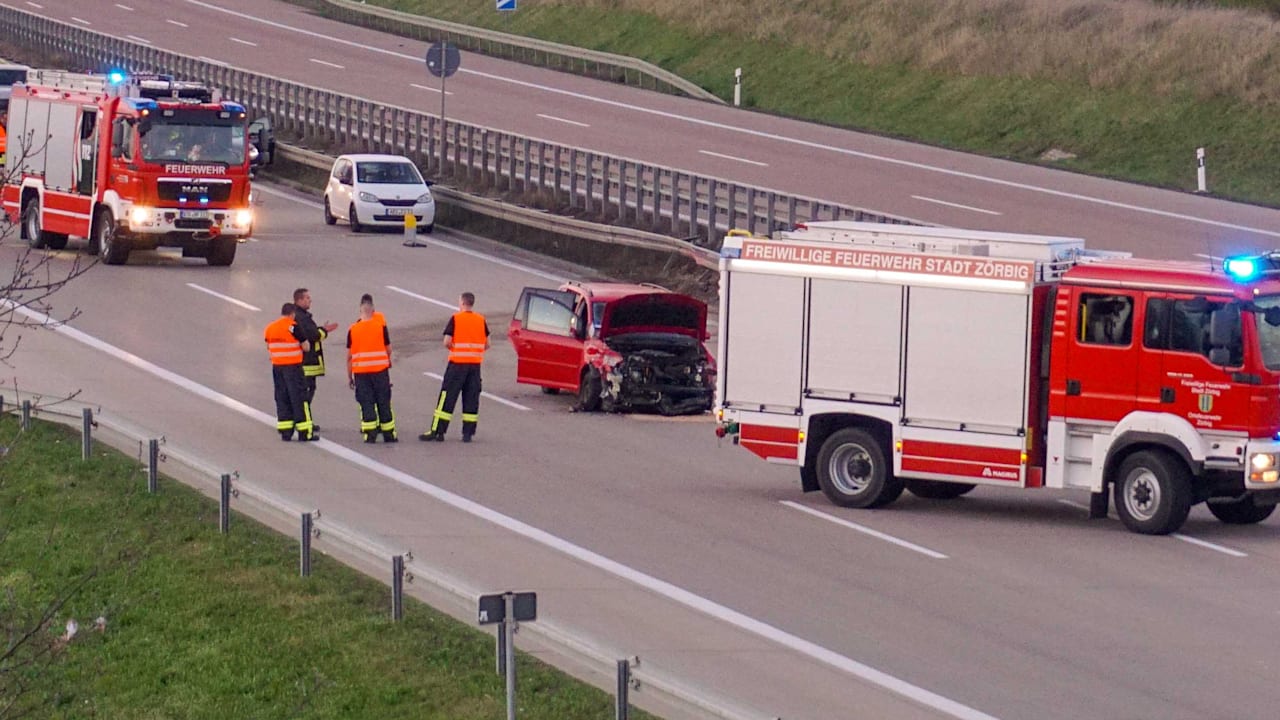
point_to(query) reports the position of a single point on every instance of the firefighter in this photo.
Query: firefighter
(313, 337)
(368, 372)
(466, 337)
(284, 343)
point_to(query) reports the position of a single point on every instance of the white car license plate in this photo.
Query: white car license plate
(194, 214)
(397, 211)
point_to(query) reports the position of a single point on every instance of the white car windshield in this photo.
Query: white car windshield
(387, 173)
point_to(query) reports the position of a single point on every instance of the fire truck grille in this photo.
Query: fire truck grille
(173, 190)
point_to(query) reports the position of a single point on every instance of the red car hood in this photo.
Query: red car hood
(655, 312)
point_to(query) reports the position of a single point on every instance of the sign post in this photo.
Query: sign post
(507, 610)
(443, 60)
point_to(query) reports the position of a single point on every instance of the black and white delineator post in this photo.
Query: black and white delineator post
(737, 87)
(1201, 184)
(507, 610)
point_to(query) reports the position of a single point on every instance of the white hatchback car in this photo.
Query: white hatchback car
(378, 190)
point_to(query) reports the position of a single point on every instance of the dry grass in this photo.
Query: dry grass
(1208, 52)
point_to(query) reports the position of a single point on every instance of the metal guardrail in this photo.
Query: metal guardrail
(125, 436)
(530, 51)
(638, 194)
(530, 217)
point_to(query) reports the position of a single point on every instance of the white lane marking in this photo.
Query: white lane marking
(672, 592)
(428, 87)
(82, 21)
(124, 7)
(768, 135)
(563, 120)
(424, 298)
(1211, 546)
(244, 42)
(142, 40)
(734, 158)
(956, 205)
(178, 23)
(327, 63)
(866, 530)
(489, 395)
(228, 298)
(215, 62)
(1074, 504)
(37, 6)
(436, 242)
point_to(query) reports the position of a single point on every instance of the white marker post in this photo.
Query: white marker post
(737, 87)
(1201, 186)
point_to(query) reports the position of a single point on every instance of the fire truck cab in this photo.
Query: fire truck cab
(129, 163)
(880, 358)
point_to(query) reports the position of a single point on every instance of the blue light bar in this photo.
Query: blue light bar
(1241, 268)
(115, 77)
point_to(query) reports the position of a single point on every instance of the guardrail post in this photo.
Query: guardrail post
(86, 434)
(733, 206)
(693, 205)
(622, 711)
(224, 504)
(524, 176)
(26, 414)
(589, 181)
(153, 465)
(304, 557)
(751, 211)
(397, 587)
(623, 211)
(573, 177)
(713, 208)
(511, 161)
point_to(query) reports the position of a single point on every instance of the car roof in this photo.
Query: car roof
(372, 157)
(606, 291)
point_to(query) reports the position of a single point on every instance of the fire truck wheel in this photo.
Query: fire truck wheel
(353, 219)
(112, 249)
(329, 219)
(853, 471)
(1241, 512)
(1153, 492)
(35, 237)
(935, 490)
(589, 391)
(55, 241)
(222, 251)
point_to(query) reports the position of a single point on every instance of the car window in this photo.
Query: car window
(1105, 319)
(387, 173)
(597, 315)
(549, 315)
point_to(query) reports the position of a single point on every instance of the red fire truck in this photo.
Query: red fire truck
(880, 358)
(128, 163)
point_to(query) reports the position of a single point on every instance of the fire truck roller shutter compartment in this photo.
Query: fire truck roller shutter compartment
(60, 161)
(29, 126)
(767, 351)
(855, 341)
(966, 360)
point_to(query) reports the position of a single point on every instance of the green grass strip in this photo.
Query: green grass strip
(200, 625)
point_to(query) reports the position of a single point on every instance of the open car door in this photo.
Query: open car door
(542, 331)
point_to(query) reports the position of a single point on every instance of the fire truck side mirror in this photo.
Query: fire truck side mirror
(1224, 325)
(1272, 316)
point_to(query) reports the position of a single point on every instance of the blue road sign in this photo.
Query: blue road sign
(506, 4)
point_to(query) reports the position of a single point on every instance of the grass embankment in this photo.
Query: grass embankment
(1130, 89)
(199, 625)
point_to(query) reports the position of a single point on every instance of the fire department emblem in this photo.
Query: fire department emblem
(1206, 403)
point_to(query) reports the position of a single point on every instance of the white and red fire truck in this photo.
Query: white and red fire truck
(879, 358)
(128, 163)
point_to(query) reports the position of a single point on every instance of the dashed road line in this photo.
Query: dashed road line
(1210, 546)
(956, 205)
(563, 120)
(228, 298)
(866, 530)
(429, 88)
(126, 8)
(244, 42)
(491, 396)
(82, 21)
(178, 23)
(327, 63)
(734, 158)
(142, 40)
(424, 298)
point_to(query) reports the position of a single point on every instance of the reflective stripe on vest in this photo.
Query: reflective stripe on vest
(468, 338)
(368, 351)
(281, 344)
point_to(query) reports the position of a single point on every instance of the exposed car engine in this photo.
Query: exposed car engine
(663, 371)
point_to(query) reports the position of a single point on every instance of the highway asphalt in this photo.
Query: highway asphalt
(1001, 604)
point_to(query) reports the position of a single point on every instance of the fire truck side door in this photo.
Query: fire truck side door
(1190, 385)
(1103, 354)
(88, 151)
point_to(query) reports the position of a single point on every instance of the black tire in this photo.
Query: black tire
(589, 391)
(426, 229)
(222, 251)
(329, 219)
(1241, 512)
(853, 470)
(938, 490)
(1152, 492)
(38, 239)
(550, 391)
(113, 248)
(55, 241)
(353, 219)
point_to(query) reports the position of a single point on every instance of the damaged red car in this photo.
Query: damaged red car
(617, 346)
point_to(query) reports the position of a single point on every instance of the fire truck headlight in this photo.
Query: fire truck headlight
(244, 217)
(141, 215)
(1262, 461)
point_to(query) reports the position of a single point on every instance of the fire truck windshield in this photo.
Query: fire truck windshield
(1267, 317)
(192, 139)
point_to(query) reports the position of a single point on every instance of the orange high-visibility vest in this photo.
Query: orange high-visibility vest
(368, 351)
(4, 142)
(283, 346)
(468, 338)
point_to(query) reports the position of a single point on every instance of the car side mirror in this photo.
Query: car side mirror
(429, 182)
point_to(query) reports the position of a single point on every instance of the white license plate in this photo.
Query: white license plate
(397, 211)
(194, 214)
